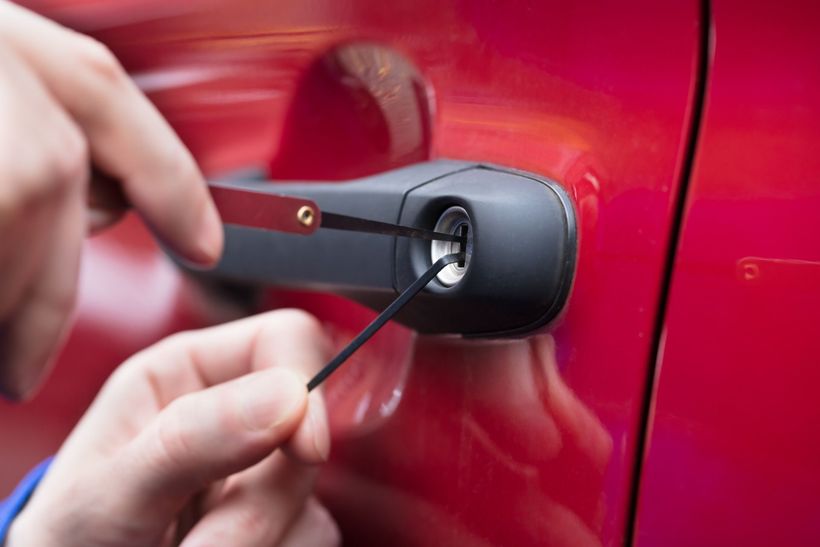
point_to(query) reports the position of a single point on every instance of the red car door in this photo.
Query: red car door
(733, 448)
(437, 440)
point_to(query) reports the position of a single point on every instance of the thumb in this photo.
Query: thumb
(208, 435)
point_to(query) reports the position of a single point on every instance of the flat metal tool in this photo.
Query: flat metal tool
(280, 213)
(274, 212)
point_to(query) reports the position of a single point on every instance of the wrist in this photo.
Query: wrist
(15, 537)
(22, 534)
(13, 508)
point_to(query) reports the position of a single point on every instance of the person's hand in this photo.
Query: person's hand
(65, 105)
(180, 446)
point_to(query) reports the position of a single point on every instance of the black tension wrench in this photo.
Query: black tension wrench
(385, 316)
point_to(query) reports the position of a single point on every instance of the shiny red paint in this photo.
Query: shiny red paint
(436, 440)
(734, 449)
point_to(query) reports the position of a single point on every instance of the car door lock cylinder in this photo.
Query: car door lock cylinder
(455, 221)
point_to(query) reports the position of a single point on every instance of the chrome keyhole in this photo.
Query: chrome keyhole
(456, 221)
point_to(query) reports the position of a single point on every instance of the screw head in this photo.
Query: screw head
(306, 215)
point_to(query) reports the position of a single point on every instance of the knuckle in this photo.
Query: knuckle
(172, 345)
(123, 376)
(130, 373)
(172, 440)
(98, 59)
(70, 163)
(62, 168)
(143, 364)
(176, 343)
(300, 323)
(45, 176)
(173, 341)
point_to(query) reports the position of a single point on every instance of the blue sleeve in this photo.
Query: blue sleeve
(11, 507)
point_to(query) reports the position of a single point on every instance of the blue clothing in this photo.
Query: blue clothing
(11, 507)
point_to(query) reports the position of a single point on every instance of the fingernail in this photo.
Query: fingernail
(271, 398)
(318, 425)
(211, 235)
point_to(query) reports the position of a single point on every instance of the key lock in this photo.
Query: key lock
(515, 251)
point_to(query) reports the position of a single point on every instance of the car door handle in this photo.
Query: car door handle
(516, 230)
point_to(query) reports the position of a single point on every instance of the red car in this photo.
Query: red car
(668, 397)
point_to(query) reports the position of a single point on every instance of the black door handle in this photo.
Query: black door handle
(520, 246)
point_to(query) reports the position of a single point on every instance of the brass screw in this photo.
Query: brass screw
(306, 215)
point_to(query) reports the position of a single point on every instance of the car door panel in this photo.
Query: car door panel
(437, 440)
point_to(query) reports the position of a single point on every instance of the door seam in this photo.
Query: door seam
(702, 71)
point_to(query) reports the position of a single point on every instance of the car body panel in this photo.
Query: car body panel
(436, 440)
(733, 455)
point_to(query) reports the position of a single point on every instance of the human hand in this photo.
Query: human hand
(180, 446)
(66, 104)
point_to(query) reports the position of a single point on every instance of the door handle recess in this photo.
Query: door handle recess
(520, 247)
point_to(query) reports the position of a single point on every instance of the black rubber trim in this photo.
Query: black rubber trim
(553, 313)
(705, 44)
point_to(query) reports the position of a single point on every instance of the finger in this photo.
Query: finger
(128, 138)
(48, 178)
(205, 436)
(190, 362)
(259, 508)
(31, 187)
(311, 443)
(23, 252)
(42, 319)
(315, 526)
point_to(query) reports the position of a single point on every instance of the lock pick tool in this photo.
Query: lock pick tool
(246, 208)
(250, 209)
